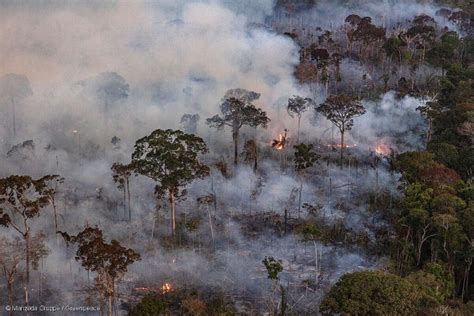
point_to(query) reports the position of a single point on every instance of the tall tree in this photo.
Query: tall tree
(274, 267)
(109, 260)
(13, 89)
(341, 111)
(250, 153)
(189, 122)
(296, 107)
(368, 35)
(170, 158)
(446, 52)
(108, 88)
(305, 158)
(48, 186)
(10, 258)
(121, 175)
(237, 110)
(21, 200)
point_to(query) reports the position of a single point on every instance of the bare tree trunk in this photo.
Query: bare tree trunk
(109, 312)
(210, 223)
(27, 297)
(9, 280)
(173, 212)
(299, 125)
(129, 203)
(317, 260)
(342, 146)
(299, 196)
(465, 282)
(423, 239)
(27, 248)
(235, 137)
(155, 217)
(124, 201)
(10, 295)
(430, 128)
(255, 162)
(55, 215)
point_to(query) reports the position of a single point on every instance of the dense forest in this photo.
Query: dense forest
(271, 157)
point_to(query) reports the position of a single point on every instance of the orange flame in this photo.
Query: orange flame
(382, 149)
(279, 143)
(166, 287)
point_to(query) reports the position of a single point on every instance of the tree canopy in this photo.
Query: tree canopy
(373, 293)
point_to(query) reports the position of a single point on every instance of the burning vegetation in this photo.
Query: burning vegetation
(148, 179)
(280, 142)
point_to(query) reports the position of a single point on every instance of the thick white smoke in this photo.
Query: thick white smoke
(176, 56)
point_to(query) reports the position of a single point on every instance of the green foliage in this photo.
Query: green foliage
(373, 293)
(185, 301)
(237, 110)
(150, 305)
(273, 266)
(428, 284)
(412, 163)
(341, 110)
(305, 157)
(447, 204)
(99, 256)
(170, 157)
(441, 273)
(417, 196)
(446, 154)
(121, 173)
(444, 53)
(392, 47)
(309, 231)
(298, 105)
(24, 196)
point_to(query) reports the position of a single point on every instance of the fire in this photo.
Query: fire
(382, 149)
(166, 287)
(280, 142)
(277, 143)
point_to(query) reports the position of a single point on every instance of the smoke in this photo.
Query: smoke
(124, 68)
(171, 55)
(388, 13)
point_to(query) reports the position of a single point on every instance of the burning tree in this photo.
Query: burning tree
(109, 261)
(305, 158)
(281, 141)
(341, 111)
(170, 158)
(22, 199)
(296, 107)
(237, 110)
(121, 175)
